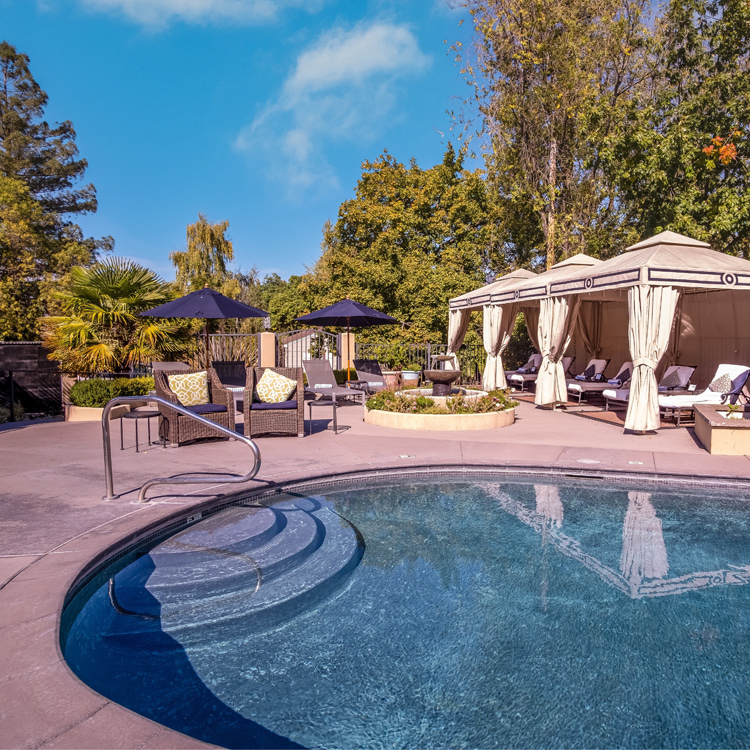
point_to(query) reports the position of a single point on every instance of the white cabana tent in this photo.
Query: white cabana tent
(502, 301)
(668, 300)
(458, 323)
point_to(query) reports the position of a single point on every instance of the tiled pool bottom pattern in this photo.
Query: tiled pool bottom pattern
(482, 614)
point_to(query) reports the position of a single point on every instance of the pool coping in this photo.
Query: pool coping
(43, 703)
(186, 516)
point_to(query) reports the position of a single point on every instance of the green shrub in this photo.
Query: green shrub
(19, 413)
(97, 392)
(341, 376)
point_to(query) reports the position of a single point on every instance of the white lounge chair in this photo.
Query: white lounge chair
(581, 387)
(675, 378)
(530, 371)
(733, 376)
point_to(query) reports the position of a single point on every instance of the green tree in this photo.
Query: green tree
(205, 262)
(551, 81)
(681, 161)
(39, 167)
(102, 330)
(25, 255)
(409, 241)
(284, 300)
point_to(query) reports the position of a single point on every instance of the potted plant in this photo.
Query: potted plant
(410, 374)
(734, 411)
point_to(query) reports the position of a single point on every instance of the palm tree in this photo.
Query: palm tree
(102, 331)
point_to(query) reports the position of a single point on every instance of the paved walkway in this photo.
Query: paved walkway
(54, 524)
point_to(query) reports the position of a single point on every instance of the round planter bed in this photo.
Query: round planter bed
(399, 421)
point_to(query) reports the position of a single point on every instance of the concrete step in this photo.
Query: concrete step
(318, 577)
(224, 591)
(209, 573)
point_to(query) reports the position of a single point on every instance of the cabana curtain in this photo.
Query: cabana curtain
(498, 322)
(557, 320)
(458, 325)
(590, 327)
(531, 318)
(651, 310)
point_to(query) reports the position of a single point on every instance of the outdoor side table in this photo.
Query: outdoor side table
(148, 415)
(238, 391)
(323, 402)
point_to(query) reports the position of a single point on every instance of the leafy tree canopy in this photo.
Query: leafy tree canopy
(39, 167)
(205, 262)
(409, 241)
(681, 159)
(550, 81)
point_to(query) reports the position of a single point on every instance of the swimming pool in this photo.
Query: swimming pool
(445, 612)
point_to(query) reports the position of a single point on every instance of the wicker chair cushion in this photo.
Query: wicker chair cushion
(191, 389)
(274, 388)
(207, 408)
(273, 406)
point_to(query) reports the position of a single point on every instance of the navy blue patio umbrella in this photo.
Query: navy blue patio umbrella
(350, 314)
(205, 303)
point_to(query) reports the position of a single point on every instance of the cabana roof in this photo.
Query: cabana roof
(668, 259)
(475, 299)
(535, 286)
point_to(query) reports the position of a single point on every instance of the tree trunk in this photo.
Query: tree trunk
(551, 203)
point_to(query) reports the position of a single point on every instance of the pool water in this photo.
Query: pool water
(440, 613)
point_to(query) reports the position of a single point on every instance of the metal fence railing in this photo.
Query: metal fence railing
(294, 347)
(471, 357)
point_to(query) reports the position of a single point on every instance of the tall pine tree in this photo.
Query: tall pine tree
(39, 167)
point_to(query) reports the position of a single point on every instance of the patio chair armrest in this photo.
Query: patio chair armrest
(220, 394)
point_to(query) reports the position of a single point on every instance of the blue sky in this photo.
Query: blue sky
(259, 112)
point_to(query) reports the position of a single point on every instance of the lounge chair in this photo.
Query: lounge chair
(178, 428)
(675, 378)
(725, 388)
(594, 385)
(286, 417)
(532, 366)
(322, 382)
(524, 374)
(370, 377)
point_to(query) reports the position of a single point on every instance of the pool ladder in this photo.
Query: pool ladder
(178, 479)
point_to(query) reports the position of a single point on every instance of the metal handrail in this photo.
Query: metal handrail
(179, 479)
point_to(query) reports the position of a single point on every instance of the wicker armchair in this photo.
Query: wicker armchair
(287, 417)
(178, 428)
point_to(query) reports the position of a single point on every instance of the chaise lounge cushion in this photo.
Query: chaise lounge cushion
(260, 405)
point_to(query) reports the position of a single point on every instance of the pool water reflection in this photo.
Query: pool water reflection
(476, 614)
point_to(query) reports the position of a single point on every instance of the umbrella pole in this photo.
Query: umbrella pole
(348, 361)
(208, 347)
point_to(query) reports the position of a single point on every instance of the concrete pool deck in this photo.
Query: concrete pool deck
(54, 523)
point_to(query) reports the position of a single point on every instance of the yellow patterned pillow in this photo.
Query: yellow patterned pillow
(191, 388)
(274, 388)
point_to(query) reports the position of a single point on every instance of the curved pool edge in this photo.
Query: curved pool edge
(65, 710)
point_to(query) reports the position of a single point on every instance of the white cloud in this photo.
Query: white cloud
(162, 12)
(342, 89)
